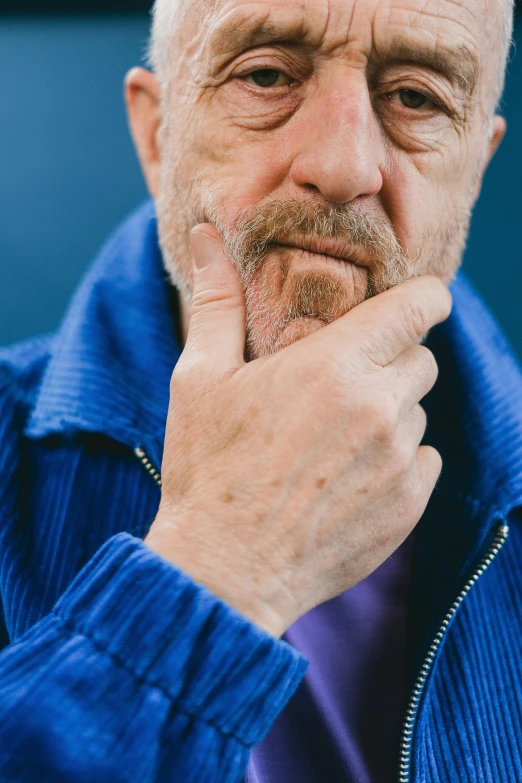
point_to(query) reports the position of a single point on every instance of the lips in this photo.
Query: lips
(324, 258)
(337, 250)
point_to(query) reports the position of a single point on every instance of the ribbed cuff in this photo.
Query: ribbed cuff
(176, 635)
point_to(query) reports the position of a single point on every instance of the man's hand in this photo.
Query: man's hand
(288, 479)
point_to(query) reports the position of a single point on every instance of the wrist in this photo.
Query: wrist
(224, 582)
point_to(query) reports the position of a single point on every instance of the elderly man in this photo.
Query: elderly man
(313, 165)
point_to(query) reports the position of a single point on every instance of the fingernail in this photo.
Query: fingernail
(204, 249)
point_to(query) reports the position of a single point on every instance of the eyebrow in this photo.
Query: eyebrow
(245, 33)
(459, 63)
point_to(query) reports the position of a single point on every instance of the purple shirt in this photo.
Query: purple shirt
(343, 725)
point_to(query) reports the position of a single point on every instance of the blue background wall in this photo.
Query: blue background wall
(69, 174)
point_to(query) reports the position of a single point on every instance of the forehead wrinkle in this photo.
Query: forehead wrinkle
(233, 38)
(239, 31)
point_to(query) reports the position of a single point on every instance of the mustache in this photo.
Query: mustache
(256, 229)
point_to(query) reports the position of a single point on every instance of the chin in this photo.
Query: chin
(283, 309)
(297, 329)
(263, 342)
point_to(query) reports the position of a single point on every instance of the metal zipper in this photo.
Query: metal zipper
(147, 464)
(413, 706)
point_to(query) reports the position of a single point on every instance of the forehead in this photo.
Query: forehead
(463, 34)
(363, 28)
(333, 21)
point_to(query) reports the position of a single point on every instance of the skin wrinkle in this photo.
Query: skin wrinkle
(165, 12)
(459, 64)
(331, 143)
(381, 179)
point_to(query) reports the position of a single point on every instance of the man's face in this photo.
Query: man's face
(337, 144)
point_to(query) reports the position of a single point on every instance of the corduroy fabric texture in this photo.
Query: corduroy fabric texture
(116, 665)
(137, 667)
(470, 727)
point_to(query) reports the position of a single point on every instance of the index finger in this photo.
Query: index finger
(383, 326)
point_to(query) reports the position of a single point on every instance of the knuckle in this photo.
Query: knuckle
(433, 286)
(422, 418)
(188, 371)
(444, 293)
(418, 502)
(402, 459)
(179, 379)
(434, 459)
(430, 462)
(429, 363)
(415, 318)
(212, 299)
(384, 419)
(413, 506)
(408, 520)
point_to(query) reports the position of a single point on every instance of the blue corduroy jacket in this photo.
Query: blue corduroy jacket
(116, 666)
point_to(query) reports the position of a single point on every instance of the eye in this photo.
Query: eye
(414, 100)
(268, 77)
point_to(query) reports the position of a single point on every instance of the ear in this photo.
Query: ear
(498, 130)
(143, 100)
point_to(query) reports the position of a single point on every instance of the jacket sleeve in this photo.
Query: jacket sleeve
(139, 675)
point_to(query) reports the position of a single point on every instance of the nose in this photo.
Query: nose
(339, 145)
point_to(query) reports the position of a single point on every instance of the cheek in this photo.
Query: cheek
(420, 190)
(407, 197)
(244, 165)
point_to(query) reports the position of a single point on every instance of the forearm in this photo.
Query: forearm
(139, 674)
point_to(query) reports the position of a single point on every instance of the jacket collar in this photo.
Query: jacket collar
(111, 362)
(475, 422)
(476, 406)
(113, 356)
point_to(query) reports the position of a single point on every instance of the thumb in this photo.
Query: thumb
(217, 328)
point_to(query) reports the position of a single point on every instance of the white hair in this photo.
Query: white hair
(164, 14)
(507, 15)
